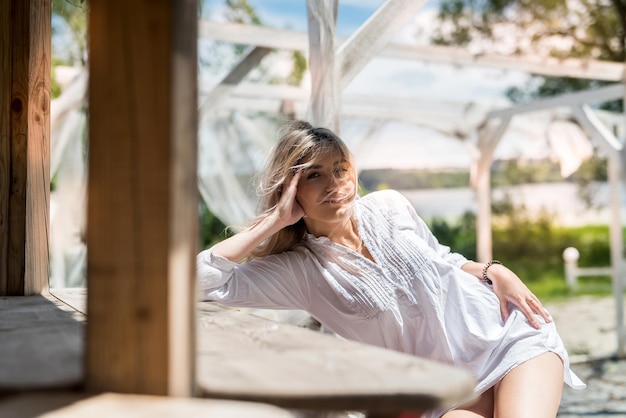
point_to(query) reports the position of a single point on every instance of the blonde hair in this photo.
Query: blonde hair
(299, 145)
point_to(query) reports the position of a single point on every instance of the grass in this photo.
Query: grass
(553, 287)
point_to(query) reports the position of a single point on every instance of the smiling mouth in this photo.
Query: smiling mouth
(335, 201)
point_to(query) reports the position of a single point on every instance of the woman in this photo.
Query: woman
(369, 269)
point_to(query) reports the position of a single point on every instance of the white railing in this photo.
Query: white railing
(573, 272)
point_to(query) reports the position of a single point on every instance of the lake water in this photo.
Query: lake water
(559, 199)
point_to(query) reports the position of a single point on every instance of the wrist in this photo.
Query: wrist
(485, 277)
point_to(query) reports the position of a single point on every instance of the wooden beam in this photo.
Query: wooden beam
(142, 206)
(599, 95)
(548, 66)
(480, 179)
(25, 43)
(325, 105)
(5, 141)
(363, 46)
(214, 98)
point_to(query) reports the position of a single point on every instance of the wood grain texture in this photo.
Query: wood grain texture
(25, 146)
(6, 50)
(241, 356)
(76, 405)
(36, 269)
(142, 206)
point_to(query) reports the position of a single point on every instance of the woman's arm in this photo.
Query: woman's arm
(287, 212)
(508, 287)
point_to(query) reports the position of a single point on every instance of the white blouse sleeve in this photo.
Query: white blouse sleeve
(406, 213)
(274, 282)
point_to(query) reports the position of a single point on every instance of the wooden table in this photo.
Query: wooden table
(240, 357)
(115, 405)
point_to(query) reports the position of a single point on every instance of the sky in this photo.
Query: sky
(402, 77)
(398, 146)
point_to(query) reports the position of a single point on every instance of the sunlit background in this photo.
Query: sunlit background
(411, 122)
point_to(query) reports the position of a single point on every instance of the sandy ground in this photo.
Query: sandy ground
(587, 325)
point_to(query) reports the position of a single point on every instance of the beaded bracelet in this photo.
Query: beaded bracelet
(489, 264)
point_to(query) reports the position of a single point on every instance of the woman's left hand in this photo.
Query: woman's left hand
(509, 288)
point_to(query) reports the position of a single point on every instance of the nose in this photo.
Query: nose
(333, 181)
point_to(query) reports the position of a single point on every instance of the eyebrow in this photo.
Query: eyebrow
(318, 166)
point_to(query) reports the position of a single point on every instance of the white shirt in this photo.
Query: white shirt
(414, 298)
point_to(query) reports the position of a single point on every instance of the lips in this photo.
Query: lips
(335, 200)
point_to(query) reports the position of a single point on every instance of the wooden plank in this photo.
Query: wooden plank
(41, 345)
(74, 298)
(593, 96)
(28, 148)
(6, 48)
(25, 147)
(142, 206)
(38, 149)
(250, 358)
(18, 137)
(548, 66)
(214, 98)
(242, 357)
(106, 405)
(375, 34)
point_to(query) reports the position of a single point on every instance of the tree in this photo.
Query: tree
(561, 28)
(69, 26)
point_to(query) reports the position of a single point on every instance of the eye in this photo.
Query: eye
(313, 175)
(340, 171)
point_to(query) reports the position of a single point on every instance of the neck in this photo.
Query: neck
(346, 233)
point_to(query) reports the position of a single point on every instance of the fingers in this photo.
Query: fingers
(504, 309)
(536, 306)
(291, 189)
(531, 306)
(288, 206)
(293, 183)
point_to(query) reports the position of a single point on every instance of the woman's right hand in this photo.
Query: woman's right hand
(288, 211)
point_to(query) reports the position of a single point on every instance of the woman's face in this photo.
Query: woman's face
(326, 191)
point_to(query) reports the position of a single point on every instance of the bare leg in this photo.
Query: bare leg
(482, 408)
(531, 390)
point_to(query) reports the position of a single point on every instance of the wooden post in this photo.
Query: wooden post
(325, 105)
(480, 178)
(25, 43)
(142, 233)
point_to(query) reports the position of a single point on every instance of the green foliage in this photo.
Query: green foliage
(592, 171)
(412, 179)
(55, 88)
(240, 11)
(72, 16)
(298, 70)
(593, 29)
(508, 172)
(460, 236)
(538, 87)
(532, 246)
(503, 173)
(212, 230)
